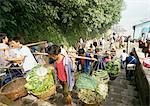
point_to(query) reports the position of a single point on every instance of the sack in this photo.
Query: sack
(85, 81)
(131, 66)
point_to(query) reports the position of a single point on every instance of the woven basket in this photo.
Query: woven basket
(103, 75)
(46, 95)
(14, 89)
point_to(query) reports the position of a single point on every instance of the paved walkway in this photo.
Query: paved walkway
(121, 91)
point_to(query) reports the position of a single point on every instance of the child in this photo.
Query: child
(123, 57)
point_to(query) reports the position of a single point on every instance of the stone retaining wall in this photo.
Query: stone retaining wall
(142, 79)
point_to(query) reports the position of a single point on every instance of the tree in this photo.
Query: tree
(90, 14)
(58, 18)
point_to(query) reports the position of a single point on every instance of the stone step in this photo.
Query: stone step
(122, 101)
(119, 98)
(114, 97)
(44, 103)
(29, 99)
(121, 85)
(122, 104)
(115, 88)
(121, 95)
(117, 85)
(131, 87)
(133, 101)
(111, 103)
(129, 92)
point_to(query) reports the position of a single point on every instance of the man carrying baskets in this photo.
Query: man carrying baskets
(64, 71)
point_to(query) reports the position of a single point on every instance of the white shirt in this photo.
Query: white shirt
(123, 56)
(3, 53)
(63, 52)
(112, 40)
(103, 42)
(111, 36)
(14, 52)
(29, 61)
(81, 40)
(3, 46)
(123, 39)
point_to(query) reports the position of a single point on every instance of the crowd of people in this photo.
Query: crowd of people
(15, 54)
(116, 38)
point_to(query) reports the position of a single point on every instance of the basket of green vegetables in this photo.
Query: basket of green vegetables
(40, 82)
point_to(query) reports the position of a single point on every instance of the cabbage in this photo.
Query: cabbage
(86, 82)
(91, 89)
(113, 67)
(101, 76)
(92, 97)
(39, 80)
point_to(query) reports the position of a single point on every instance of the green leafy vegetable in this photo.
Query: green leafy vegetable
(91, 89)
(38, 84)
(113, 67)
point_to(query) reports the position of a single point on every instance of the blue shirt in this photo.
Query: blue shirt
(131, 60)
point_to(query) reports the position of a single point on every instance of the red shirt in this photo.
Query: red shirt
(61, 73)
(82, 61)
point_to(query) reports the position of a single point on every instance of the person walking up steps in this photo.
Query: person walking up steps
(123, 57)
(130, 61)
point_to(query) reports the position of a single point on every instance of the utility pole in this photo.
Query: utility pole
(128, 40)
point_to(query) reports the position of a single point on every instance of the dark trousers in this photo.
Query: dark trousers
(11, 73)
(123, 65)
(129, 74)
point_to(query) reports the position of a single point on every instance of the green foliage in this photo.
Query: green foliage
(58, 20)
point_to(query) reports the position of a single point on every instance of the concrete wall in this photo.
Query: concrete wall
(143, 86)
(142, 79)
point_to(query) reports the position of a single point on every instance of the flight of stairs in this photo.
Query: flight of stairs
(122, 92)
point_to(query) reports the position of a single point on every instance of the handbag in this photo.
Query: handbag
(131, 66)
